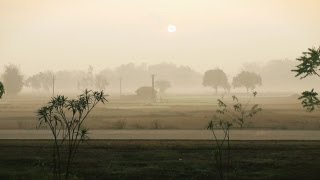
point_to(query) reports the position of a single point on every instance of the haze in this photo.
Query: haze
(54, 35)
(159, 89)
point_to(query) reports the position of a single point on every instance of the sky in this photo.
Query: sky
(40, 35)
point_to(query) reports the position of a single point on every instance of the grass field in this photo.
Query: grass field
(180, 112)
(156, 159)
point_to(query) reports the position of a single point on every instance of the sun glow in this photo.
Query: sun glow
(172, 28)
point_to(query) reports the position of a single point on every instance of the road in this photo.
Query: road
(173, 134)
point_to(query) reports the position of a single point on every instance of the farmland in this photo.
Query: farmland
(179, 112)
(165, 140)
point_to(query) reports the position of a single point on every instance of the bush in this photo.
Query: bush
(65, 118)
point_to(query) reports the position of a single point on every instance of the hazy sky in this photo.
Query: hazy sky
(60, 34)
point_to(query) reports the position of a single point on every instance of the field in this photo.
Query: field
(170, 155)
(114, 159)
(179, 112)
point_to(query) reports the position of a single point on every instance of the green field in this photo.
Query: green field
(158, 159)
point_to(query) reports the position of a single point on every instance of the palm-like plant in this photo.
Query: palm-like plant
(2, 91)
(65, 118)
(309, 66)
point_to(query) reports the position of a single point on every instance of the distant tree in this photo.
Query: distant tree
(215, 78)
(227, 87)
(255, 67)
(134, 75)
(101, 82)
(12, 79)
(41, 80)
(309, 66)
(33, 82)
(87, 81)
(146, 92)
(176, 74)
(46, 80)
(2, 91)
(246, 79)
(162, 85)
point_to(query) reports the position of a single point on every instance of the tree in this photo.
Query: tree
(33, 82)
(65, 117)
(46, 80)
(87, 81)
(41, 80)
(309, 66)
(246, 79)
(146, 92)
(215, 78)
(101, 82)
(162, 85)
(12, 79)
(227, 87)
(2, 91)
(176, 74)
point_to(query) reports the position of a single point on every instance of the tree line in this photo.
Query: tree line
(167, 75)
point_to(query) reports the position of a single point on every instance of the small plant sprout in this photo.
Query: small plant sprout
(65, 118)
(224, 119)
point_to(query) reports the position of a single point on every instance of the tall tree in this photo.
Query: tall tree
(246, 79)
(12, 79)
(309, 66)
(162, 85)
(215, 78)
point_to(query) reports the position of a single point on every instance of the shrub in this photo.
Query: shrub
(65, 118)
(226, 117)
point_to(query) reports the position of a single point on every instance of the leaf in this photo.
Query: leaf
(255, 93)
(234, 98)
(221, 103)
(310, 62)
(309, 100)
(2, 90)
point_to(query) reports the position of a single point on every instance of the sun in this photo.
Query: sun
(172, 28)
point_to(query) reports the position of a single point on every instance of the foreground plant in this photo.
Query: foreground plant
(309, 66)
(65, 118)
(2, 91)
(226, 117)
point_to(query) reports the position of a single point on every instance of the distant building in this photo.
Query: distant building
(146, 92)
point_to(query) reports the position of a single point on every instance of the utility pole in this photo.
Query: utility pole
(120, 86)
(153, 92)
